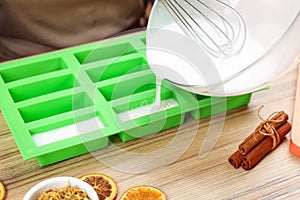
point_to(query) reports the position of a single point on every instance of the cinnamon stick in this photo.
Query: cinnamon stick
(255, 138)
(263, 148)
(236, 159)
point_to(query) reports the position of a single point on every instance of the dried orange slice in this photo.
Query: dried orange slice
(2, 191)
(105, 186)
(143, 193)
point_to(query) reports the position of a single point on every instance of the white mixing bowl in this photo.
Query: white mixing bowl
(271, 48)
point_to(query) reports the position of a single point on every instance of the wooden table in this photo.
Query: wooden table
(188, 177)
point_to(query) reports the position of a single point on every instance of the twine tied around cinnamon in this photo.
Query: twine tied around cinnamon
(270, 130)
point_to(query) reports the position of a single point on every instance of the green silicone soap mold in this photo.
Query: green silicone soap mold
(66, 103)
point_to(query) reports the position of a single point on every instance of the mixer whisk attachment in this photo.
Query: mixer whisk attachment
(216, 26)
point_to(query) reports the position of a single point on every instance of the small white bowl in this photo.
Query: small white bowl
(57, 183)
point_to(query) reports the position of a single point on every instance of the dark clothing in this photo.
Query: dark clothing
(29, 27)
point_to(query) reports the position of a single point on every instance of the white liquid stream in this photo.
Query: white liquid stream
(157, 106)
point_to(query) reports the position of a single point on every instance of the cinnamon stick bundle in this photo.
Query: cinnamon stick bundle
(263, 148)
(255, 138)
(264, 139)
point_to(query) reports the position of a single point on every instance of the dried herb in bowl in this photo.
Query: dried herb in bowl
(65, 193)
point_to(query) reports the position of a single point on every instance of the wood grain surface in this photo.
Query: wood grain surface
(188, 177)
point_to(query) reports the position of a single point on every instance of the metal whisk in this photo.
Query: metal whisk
(213, 24)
